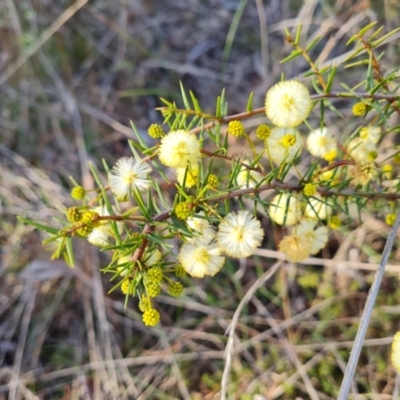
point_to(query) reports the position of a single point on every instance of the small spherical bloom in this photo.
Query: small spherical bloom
(151, 317)
(88, 217)
(395, 355)
(248, 178)
(359, 109)
(296, 247)
(184, 210)
(372, 156)
(127, 287)
(318, 208)
(321, 143)
(179, 271)
(155, 275)
(334, 222)
(283, 145)
(129, 173)
(309, 189)
(360, 149)
(284, 209)
(263, 131)
(288, 140)
(390, 219)
(201, 226)
(324, 176)
(363, 172)
(78, 193)
(175, 289)
(155, 131)
(144, 303)
(387, 171)
(191, 173)
(288, 104)
(201, 257)
(73, 214)
(239, 234)
(179, 148)
(153, 289)
(318, 236)
(213, 180)
(84, 230)
(236, 128)
(371, 133)
(330, 155)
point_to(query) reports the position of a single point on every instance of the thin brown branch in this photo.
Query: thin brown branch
(247, 166)
(335, 165)
(138, 254)
(256, 111)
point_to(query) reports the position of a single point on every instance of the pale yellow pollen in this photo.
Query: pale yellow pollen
(239, 231)
(322, 141)
(201, 256)
(129, 178)
(182, 150)
(364, 133)
(288, 101)
(369, 169)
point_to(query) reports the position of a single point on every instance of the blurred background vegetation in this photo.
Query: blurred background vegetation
(73, 73)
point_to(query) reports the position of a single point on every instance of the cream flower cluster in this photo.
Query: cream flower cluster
(99, 235)
(287, 104)
(238, 236)
(283, 145)
(304, 240)
(179, 149)
(321, 143)
(127, 174)
(318, 208)
(201, 226)
(248, 178)
(285, 209)
(362, 150)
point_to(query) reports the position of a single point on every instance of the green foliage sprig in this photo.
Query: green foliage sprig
(191, 189)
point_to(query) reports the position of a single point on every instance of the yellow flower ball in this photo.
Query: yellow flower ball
(78, 193)
(263, 131)
(359, 109)
(236, 128)
(151, 317)
(395, 356)
(390, 219)
(309, 189)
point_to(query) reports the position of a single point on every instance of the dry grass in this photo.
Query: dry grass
(72, 75)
